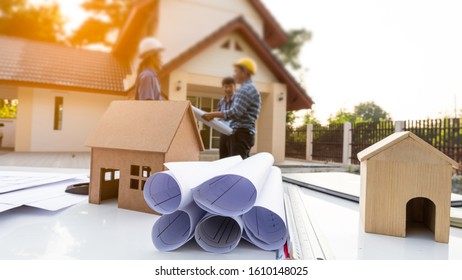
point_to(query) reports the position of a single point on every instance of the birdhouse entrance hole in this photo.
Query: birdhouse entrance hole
(420, 212)
(109, 183)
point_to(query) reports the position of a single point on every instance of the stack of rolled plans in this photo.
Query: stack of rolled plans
(218, 203)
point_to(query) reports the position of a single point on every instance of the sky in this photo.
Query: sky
(405, 55)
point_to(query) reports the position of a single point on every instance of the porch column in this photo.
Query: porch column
(176, 87)
(271, 130)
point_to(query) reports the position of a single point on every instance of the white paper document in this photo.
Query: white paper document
(235, 191)
(15, 180)
(5, 206)
(221, 127)
(49, 197)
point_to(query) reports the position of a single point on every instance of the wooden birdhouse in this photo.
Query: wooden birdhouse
(132, 141)
(404, 179)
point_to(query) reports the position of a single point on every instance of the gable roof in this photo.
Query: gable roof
(131, 125)
(132, 30)
(273, 32)
(297, 98)
(397, 137)
(33, 63)
(142, 11)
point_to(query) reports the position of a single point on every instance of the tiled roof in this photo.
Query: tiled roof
(36, 63)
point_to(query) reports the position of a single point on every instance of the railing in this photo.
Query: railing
(296, 142)
(328, 143)
(339, 143)
(364, 134)
(444, 134)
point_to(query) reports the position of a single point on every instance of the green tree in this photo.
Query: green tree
(342, 116)
(363, 112)
(19, 18)
(370, 112)
(310, 118)
(290, 118)
(106, 16)
(289, 52)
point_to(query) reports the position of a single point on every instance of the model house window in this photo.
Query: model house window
(58, 118)
(210, 137)
(138, 176)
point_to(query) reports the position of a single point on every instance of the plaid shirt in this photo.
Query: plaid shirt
(245, 108)
(223, 105)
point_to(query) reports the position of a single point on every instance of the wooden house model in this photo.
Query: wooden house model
(132, 141)
(405, 180)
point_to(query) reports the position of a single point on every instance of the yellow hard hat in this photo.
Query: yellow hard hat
(247, 63)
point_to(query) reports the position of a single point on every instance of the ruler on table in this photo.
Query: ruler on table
(305, 240)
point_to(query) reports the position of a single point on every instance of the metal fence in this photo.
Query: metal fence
(444, 134)
(364, 134)
(296, 142)
(328, 143)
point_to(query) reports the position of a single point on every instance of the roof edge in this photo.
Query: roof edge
(274, 34)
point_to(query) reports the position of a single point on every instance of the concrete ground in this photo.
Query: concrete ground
(45, 159)
(81, 160)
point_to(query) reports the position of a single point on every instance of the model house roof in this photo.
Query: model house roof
(131, 125)
(394, 139)
(297, 98)
(33, 63)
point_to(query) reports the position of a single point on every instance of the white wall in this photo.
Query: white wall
(182, 23)
(81, 112)
(217, 61)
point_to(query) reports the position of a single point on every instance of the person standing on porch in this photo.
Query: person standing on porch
(229, 87)
(244, 110)
(147, 83)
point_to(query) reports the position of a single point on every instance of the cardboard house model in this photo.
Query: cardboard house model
(405, 180)
(132, 141)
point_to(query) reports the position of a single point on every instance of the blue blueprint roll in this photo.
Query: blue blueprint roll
(162, 192)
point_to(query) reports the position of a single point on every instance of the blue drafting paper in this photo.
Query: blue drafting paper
(171, 231)
(162, 192)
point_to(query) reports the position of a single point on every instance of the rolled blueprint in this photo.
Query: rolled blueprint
(218, 234)
(215, 124)
(167, 191)
(173, 230)
(265, 224)
(234, 192)
(162, 192)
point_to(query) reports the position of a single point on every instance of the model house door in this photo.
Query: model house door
(109, 183)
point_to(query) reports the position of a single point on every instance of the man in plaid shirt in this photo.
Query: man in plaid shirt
(244, 110)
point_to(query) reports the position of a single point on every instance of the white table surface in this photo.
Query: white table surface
(338, 223)
(88, 231)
